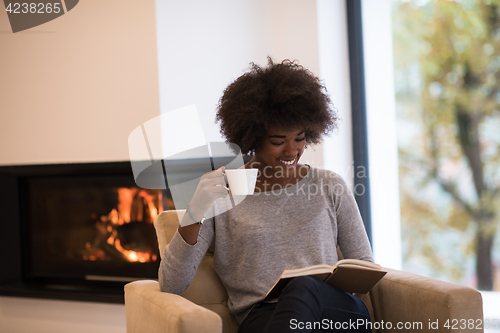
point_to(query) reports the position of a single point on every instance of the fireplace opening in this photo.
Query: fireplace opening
(92, 228)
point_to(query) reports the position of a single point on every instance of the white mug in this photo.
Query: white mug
(242, 181)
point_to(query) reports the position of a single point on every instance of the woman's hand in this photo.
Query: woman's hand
(212, 186)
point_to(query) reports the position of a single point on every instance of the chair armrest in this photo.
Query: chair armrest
(149, 310)
(410, 298)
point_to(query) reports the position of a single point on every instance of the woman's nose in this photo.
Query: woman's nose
(292, 149)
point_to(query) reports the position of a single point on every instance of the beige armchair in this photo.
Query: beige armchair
(408, 299)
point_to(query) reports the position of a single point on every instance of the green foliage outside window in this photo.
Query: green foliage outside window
(447, 77)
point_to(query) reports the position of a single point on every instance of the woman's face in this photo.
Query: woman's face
(281, 150)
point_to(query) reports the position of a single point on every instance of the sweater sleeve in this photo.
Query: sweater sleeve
(352, 238)
(180, 260)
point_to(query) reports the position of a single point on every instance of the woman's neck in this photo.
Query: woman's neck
(270, 177)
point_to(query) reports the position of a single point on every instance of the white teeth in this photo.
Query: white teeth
(287, 162)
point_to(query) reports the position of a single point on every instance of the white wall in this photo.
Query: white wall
(72, 89)
(334, 70)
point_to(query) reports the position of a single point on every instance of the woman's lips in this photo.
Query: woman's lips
(287, 163)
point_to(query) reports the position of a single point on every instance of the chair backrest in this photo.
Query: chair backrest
(206, 289)
(166, 224)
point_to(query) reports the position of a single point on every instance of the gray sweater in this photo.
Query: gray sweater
(267, 233)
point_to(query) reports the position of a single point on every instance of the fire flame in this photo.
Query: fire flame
(134, 204)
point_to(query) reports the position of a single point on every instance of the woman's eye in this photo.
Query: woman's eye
(277, 144)
(298, 140)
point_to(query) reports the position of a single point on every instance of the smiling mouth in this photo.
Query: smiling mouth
(287, 162)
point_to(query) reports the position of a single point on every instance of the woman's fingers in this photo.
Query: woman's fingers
(220, 191)
(215, 181)
(215, 173)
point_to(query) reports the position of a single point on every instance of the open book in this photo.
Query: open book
(348, 275)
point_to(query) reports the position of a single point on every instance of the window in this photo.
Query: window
(433, 105)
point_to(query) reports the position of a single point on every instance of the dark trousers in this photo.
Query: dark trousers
(308, 305)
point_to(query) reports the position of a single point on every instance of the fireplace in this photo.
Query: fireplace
(82, 231)
(77, 231)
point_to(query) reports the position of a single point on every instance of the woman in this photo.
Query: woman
(295, 219)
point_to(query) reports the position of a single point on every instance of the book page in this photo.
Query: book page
(311, 270)
(358, 263)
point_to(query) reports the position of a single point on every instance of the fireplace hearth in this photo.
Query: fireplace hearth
(76, 231)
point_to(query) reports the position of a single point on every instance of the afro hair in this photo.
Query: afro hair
(282, 94)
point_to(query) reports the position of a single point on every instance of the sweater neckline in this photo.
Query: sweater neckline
(307, 178)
